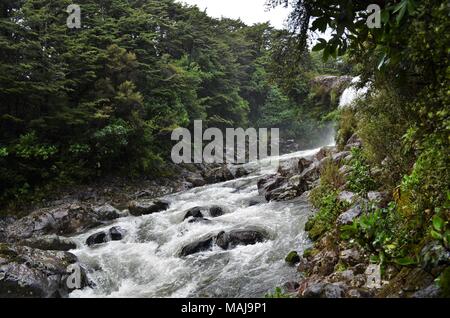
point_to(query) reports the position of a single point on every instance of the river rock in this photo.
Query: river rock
(193, 213)
(26, 272)
(50, 243)
(107, 212)
(238, 237)
(145, 207)
(324, 262)
(113, 234)
(351, 257)
(339, 157)
(349, 216)
(270, 183)
(66, 219)
(217, 175)
(4, 223)
(196, 247)
(292, 258)
(216, 211)
(291, 287)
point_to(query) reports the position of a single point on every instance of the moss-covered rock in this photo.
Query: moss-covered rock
(292, 258)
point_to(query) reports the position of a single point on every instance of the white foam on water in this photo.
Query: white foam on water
(146, 262)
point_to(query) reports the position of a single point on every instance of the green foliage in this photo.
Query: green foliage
(325, 199)
(384, 233)
(360, 179)
(278, 293)
(444, 282)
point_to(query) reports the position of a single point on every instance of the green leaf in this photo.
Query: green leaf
(436, 235)
(401, 10)
(320, 24)
(320, 46)
(438, 223)
(405, 261)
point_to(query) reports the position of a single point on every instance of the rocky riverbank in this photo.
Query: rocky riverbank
(34, 249)
(338, 267)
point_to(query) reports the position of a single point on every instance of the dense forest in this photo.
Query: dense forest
(78, 104)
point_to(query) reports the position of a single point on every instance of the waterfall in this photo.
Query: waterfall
(352, 93)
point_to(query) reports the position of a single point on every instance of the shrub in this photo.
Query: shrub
(360, 179)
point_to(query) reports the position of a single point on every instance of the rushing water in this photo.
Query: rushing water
(351, 94)
(146, 262)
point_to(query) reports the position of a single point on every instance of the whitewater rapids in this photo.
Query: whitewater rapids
(146, 262)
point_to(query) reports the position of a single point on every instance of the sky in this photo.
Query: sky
(249, 11)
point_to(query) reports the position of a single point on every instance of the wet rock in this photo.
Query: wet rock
(66, 219)
(292, 258)
(270, 183)
(291, 287)
(216, 211)
(312, 173)
(284, 193)
(349, 216)
(217, 175)
(195, 212)
(196, 181)
(50, 242)
(240, 172)
(113, 234)
(26, 272)
(199, 220)
(324, 262)
(350, 257)
(257, 201)
(116, 233)
(196, 247)
(145, 207)
(107, 212)
(238, 237)
(339, 157)
(291, 167)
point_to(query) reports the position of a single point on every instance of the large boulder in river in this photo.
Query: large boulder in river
(145, 207)
(270, 183)
(198, 246)
(27, 272)
(66, 219)
(113, 234)
(238, 237)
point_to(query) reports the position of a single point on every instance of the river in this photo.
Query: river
(146, 262)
